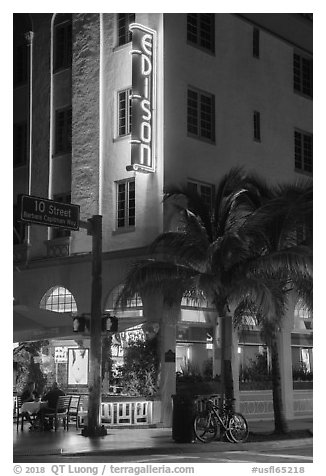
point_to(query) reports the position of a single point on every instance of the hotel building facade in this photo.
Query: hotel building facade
(106, 115)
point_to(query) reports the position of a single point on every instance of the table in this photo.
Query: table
(32, 407)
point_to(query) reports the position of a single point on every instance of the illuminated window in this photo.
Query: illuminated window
(303, 318)
(126, 207)
(135, 302)
(61, 232)
(63, 126)
(62, 42)
(201, 114)
(124, 20)
(124, 112)
(20, 144)
(256, 124)
(59, 299)
(303, 151)
(200, 30)
(302, 74)
(255, 43)
(206, 192)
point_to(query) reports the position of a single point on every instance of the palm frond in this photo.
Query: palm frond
(295, 261)
(180, 247)
(264, 297)
(193, 207)
(152, 275)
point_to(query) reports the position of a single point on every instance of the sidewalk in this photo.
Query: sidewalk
(137, 440)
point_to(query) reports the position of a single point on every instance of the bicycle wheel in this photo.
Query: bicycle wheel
(237, 428)
(205, 427)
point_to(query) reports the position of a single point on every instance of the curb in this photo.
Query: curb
(173, 448)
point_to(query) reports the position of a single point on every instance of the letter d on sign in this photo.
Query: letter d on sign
(146, 66)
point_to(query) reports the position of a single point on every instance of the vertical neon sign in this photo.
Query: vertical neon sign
(143, 98)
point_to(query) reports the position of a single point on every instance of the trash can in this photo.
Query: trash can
(184, 409)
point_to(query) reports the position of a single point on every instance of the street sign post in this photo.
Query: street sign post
(42, 211)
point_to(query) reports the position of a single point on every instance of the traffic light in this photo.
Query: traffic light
(114, 324)
(79, 324)
(109, 323)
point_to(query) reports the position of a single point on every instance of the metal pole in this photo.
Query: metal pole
(94, 386)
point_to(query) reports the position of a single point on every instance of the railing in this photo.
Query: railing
(127, 413)
(58, 247)
(121, 413)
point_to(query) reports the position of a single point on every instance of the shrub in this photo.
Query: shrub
(139, 374)
(301, 373)
(257, 370)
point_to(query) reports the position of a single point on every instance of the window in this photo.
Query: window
(255, 43)
(126, 207)
(124, 20)
(302, 74)
(20, 64)
(134, 302)
(58, 299)
(61, 232)
(124, 112)
(18, 227)
(201, 114)
(303, 317)
(63, 45)
(20, 144)
(63, 131)
(200, 30)
(303, 151)
(206, 191)
(256, 121)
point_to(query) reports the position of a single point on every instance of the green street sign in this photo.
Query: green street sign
(42, 211)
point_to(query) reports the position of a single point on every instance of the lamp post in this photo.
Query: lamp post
(93, 427)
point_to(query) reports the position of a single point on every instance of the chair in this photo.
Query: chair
(73, 410)
(60, 412)
(15, 405)
(18, 413)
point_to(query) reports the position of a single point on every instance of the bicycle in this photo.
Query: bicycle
(232, 424)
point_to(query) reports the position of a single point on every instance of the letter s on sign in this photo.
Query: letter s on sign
(145, 105)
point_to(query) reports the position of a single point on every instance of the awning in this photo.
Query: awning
(31, 324)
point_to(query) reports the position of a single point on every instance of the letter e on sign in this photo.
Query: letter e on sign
(147, 44)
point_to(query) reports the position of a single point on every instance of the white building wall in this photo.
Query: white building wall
(241, 84)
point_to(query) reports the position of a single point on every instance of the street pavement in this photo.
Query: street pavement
(140, 445)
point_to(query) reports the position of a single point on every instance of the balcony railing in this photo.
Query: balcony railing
(58, 247)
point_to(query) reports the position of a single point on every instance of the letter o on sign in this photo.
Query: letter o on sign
(146, 132)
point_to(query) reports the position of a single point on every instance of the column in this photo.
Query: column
(167, 356)
(285, 359)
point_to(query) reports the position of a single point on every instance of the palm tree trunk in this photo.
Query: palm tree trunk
(280, 423)
(227, 390)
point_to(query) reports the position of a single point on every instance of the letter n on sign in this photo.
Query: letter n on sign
(143, 98)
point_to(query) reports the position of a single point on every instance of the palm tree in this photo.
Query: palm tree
(204, 256)
(281, 231)
(231, 254)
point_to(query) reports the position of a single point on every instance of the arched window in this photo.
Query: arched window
(302, 317)
(59, 299)
(134, 303)
(196, 310)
